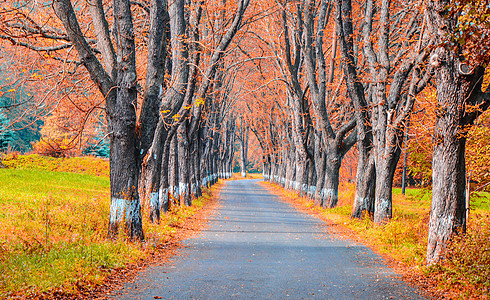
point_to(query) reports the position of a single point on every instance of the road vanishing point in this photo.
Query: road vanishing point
(258, 247)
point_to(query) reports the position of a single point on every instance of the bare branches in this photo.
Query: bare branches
(33, 47)
(36, 31)
(65, 12)
(103, 37)
(218, 54)
(142, 5)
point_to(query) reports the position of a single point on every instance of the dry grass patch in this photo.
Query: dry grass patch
(53, 227)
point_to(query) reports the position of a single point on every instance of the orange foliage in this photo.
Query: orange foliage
(420, 144)
(56, 147)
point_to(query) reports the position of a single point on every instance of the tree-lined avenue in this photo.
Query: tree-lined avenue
(258, 247)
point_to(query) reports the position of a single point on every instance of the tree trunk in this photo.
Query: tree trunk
(174, 171)
(365, 183)
(150, 178)
(301, 178)
(243, 143)
(290, 172)
(448, 188)
(122, 123)
(274, 169)
(163, 192)
(213, 159)
(320, 170)
(284, 166)
(124, 178)
(332, 173)
(311, 178)
(266, 167)
(385, 171)
(205, 159)
(183, 154)
(455, 91)
(231, 149)
(448, 164)
(193, 161)
(198, 162)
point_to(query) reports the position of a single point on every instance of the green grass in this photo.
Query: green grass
(53, 226)
(52, 230)
(480, 201)
(40, 209)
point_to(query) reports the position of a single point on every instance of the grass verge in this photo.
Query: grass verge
(465, 273)
(53, 226)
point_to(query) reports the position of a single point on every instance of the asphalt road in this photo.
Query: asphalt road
(257, 247)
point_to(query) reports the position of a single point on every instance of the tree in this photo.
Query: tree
(112, 52)
(384, 101)
(460, 100)
(242, 137)
(296, 96)
(304, 132)
(364, 198)
(334, 144)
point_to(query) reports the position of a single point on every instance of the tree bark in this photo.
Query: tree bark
(122, 123)
(170, 105)
(365, 183)
(174, 172)
(365, 168)
(120, 98)
(151, 176)
(455, 91)
(243, 144)
(385, 171)
(320, 163)
(333, 161)
(301, 178)
(163, 191)
(184, 168)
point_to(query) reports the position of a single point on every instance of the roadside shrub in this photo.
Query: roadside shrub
(466, 263)
(56, 147)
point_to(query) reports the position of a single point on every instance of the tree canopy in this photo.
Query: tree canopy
(172, 91)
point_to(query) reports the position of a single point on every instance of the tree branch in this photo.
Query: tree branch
(104, 42)
(64, 11)
(33, 47)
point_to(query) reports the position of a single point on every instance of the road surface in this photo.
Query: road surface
(257, 247)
